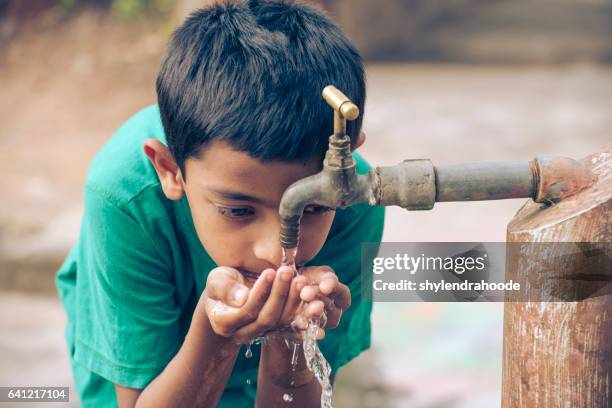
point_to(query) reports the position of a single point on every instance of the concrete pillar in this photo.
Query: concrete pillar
(559, 354)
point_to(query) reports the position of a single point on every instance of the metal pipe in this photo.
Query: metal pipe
(417, 184)
(484, 181)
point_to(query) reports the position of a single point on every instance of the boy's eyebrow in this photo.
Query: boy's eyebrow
(233, 195)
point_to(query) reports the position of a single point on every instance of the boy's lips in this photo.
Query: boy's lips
(248, 274)
(254, 275)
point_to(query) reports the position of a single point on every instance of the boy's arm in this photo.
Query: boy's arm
(276, 374)
(197, 374)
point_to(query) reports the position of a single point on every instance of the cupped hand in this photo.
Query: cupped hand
(242, 312)
(324, 299)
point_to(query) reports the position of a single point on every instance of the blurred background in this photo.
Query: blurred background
(451, 80)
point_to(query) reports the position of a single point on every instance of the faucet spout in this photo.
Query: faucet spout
(333, 187)
(309, 190)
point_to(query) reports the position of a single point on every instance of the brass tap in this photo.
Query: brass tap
(337, 185)
(343, 108)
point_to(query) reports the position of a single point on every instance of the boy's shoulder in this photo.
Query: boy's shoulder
(121, 170)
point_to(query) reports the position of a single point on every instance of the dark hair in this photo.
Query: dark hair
(251, 73)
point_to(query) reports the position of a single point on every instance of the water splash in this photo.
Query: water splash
(317, 363)
(248, 381)
(258, 340)
(315, 360)
(294, 356)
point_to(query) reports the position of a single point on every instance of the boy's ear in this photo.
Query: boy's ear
(167, 170)
(360, 140)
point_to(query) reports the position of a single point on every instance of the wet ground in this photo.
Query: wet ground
(423, 355)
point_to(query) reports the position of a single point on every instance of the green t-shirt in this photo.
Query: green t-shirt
(131, 283)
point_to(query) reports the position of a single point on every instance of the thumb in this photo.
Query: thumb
(225, 284)
(236, 295)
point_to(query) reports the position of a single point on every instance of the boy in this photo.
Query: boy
(181, 217)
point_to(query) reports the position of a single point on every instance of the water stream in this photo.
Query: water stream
(315, 360)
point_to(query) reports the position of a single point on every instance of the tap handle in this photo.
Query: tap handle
(340, 103)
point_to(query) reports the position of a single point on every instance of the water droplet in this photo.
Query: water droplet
(287, 397)
(248, 381)
(294, 357)
(248, 353)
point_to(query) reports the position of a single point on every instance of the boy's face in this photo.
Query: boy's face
(234, 200)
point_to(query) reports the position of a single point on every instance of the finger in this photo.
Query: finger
(293, 301)
(328, 283)
(320, 334)
(342, 293)
(226, 285)
(309, 293)
(316, 273)
(341, 296)
(314, 309)
(323, 276)
(333, 317)
(259, 294)
(250, 310)
(270, 313)
(274, 306)
(300, 322)
(218, 313)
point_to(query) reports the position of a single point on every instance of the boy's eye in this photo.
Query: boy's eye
(235, 212)
(316, 209)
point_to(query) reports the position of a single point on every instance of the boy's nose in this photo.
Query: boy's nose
(267, 248)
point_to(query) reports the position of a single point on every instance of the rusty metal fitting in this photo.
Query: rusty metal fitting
(556, 178)
(410, 185)
(290, 232)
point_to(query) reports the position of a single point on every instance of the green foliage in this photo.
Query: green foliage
(134, 8)
(68, 4)
(126, 8)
